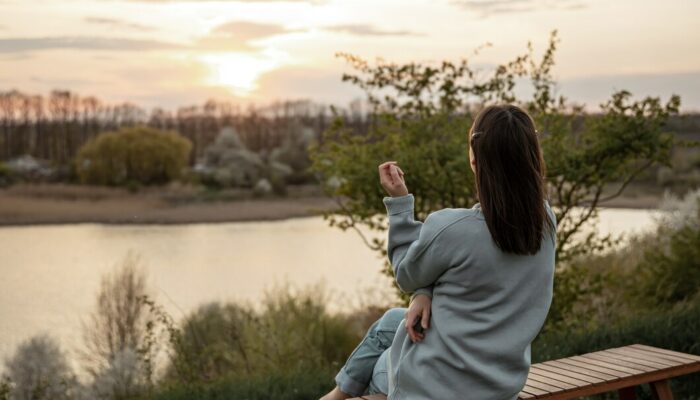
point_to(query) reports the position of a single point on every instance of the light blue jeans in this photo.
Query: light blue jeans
(365, 371)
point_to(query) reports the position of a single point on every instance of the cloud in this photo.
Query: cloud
(21, 45)
(487, 8)
(117, 23)
(368, 30)
(231, 1)
(240, 35)
(306, 82)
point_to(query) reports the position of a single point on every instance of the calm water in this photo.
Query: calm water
(49, 275)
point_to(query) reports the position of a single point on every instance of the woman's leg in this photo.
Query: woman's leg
(355, 375)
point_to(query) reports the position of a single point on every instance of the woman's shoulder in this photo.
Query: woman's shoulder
(447, 217)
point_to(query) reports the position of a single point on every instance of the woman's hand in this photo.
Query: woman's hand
(419, 308)
(391, 178)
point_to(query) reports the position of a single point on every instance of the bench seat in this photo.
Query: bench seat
(620, 369)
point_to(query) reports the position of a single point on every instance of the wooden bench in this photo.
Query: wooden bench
(620, 369)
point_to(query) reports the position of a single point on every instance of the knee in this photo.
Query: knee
(392, 318)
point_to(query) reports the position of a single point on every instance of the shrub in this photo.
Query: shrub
(297, 384)
(229, 163)
(670, 270)
(6, 175)
(133, 156)
(291, 332)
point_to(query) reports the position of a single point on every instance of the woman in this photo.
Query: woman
(481, 278)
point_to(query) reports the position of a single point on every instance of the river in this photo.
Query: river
(50, 274)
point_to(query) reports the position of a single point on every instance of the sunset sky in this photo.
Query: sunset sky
(170, 52)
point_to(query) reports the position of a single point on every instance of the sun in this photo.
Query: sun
(237, 72)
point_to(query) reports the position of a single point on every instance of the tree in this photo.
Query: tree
(421, 115)
(133, 156)
(39, 370)
(118, 353)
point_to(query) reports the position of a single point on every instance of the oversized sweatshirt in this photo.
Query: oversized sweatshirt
(487, 305)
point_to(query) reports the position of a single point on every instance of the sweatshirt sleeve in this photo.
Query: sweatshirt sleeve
(417, 250)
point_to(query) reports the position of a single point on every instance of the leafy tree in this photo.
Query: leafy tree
(421, 115)
(133, 156)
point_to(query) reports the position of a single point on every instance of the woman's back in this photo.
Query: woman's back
(488, 305)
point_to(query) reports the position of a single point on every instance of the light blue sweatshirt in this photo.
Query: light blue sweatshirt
(487, 305)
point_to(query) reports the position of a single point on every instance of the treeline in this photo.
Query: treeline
(54, 127)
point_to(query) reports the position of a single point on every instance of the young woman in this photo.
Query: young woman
(481, 278)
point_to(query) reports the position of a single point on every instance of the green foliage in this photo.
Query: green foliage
(669, 272)
(298, 384)
(5, 388)
(421, 116)
(133, 156)
(612, 148)
(675, 329)
(6, 175)
(219, 343)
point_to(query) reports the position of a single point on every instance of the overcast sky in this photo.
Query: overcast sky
(170, 52)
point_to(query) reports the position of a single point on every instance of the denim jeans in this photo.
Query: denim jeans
(365, 371)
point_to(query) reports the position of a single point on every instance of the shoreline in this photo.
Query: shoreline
(57, 204)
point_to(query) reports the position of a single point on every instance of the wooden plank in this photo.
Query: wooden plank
(619, 360)
(616, 366)
(556, 379)
(559, 385)
(541, 385)
(626, 355)
(579, 362)
(691, 357)
(529, 391)
(572, 374)
(533, 390)
(661, 358)
(525, 396)
(601, 375)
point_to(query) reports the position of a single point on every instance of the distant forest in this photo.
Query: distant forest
(54, 127)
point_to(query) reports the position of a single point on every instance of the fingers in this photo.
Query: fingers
(425, 319)
(411, 317)
(410, 320)
(395, 174)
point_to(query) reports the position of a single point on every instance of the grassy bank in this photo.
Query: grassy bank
(26, 204)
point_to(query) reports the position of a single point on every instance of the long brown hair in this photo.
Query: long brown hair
(510, 175)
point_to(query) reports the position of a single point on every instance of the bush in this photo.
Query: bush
(234, 351)
(6, 175)
(133, 156)
(229, 163)
(296, 384)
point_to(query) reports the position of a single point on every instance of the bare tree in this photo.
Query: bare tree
(116, 336)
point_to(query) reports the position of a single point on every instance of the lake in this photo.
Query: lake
(51, 274)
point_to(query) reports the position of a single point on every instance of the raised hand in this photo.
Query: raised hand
(391, 178)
